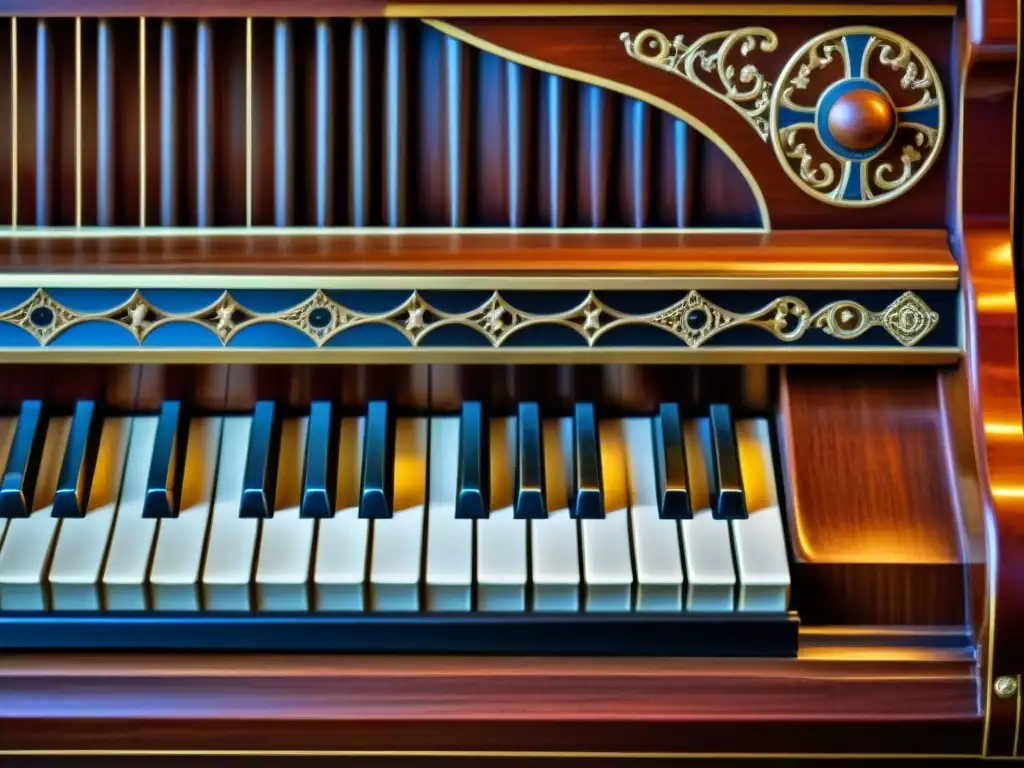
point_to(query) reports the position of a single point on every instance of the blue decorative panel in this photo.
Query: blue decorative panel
(389, 319)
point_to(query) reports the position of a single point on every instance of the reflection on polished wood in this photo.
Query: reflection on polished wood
(873, 520)
(844, 698)
(990, 110)
(862, 258)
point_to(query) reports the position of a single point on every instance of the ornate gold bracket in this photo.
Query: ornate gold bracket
(688, 61)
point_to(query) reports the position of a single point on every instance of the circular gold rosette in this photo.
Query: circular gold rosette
(857, 116)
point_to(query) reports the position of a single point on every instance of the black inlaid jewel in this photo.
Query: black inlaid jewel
(41, 317)
(320, 317)
(696, 319)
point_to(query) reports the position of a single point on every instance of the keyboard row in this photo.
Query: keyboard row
(553, 538)
(722, 472)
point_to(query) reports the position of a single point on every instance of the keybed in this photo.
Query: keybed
(212, 554)
(296, 123)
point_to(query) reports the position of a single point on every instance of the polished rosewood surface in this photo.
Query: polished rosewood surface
(912, 258)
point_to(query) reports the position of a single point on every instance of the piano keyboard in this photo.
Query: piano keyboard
(367, 532)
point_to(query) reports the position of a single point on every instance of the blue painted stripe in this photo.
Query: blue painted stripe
(928, 116)
(855, 47)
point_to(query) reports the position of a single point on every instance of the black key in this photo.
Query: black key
(670, 463)
(725, 485)
(316, 493)
(472, 500)
(260, 477)
(23, 462)
(530, 502)
(378, 469)
(167, 466)
(72, 496)
(588, 503)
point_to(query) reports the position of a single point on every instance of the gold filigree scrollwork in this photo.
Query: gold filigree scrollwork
(836, 163)
(908, 319)
(693, 319)
(746, 90)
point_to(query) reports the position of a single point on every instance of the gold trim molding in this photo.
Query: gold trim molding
(692, 319)
(527, 10)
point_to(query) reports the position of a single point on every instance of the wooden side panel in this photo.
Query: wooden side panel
(872, 507)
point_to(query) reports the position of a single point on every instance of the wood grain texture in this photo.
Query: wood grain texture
(985, 246)
(260, 702)
(874, 523)
(913, 257)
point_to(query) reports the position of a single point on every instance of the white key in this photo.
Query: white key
(762, 562)
(124, 577)
(659, 565)
(607, 567)
(29, 541)
(341, 554)
(231, 547)
(707, 549)
(554, 541)
(449, 541)
(501, 568)
(8, 426)
(398, 542)
(178, 558)
(286, 546)
(82, 542)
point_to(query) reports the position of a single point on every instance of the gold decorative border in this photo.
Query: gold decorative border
(526, 10)
(692, 319)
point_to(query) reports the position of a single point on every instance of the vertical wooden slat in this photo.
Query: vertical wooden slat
(443, 137)
(263, 147)
(493, 156)
(62, 117)
(594, 155)
(248, 122)
(78, 121)
(204, 125)
(229, 98)
(323, 126)
(8, 130)
(124, 57)
(106, 163)
(359, 126)
(552, 151)
(44, 132)
(634, 170)
(168, 125)
(519, 95)
(284, 133)
(395, 125)
(675, 172)
(455, 129)
(142, 122)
